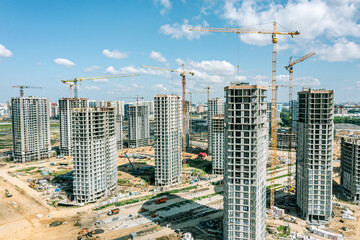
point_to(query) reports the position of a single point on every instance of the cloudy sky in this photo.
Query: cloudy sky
(42, 42)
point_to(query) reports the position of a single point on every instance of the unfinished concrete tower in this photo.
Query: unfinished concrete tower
(168, 140)
(217, 143)
(119, 118)
(246, 152)
(314, 154)
(31, 128)
(139, 133)
(65, 106)
(215, 106)
(94, 152)
(350, 166)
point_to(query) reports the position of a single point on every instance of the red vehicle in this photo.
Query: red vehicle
(202, 155)
(161, 200)
(113, 211)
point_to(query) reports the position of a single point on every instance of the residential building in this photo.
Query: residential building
(168, 140)
(119, 118)
(217, 143)
(246, 152)
(314, 154)
(31, 128)
(94, 152)
(65, 107)
(350, 167)
(139, 133)
(216, 106)
(294, 113)
(54, 110)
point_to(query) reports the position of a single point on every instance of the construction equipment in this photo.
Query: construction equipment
(161, 200)
(113, 211)
(22, 88)
(85, 233)
(70, 84)
(136, 171)
(7, 193)
(290, 69)
(273, 141)
(80, 79)
(182, 74)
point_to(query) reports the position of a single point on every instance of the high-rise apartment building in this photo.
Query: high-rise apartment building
(65, 107)
(246, 152)
(94, 152)
(139, 132)
(350, 166)
(217, 143)
(294, 113)
(168, 140)
(31, 128)
(215, 106)
(314, 154)
(119, 117)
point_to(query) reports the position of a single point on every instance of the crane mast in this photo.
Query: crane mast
(273, 140)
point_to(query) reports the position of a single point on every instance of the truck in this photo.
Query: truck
(161, 200)
(113, 211)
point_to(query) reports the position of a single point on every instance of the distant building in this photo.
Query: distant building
(340, 110)
(139, 130)
(94, 152)
(200, 109)
(54, 111)
(295, 113)
(283, 139)
(65, 107)
(350, 165)
(217, 143)
(168, 140)
(216, 106)
(314, 154)
(31, 128)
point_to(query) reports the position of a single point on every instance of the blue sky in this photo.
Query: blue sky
(42, 42)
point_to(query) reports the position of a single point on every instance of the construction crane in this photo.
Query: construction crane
(290, 69)
(274, 32)
(22, 88)
(70, 84)
(80, 79)
(183, 75)
(137, 98)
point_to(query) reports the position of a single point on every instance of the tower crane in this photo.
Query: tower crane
(22, 88)
(274, 32)
(80, 79)
(183, 75)
(290, 69)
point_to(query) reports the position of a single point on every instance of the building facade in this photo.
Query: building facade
(139, 130)
(119, 118)
(215, 106)
(31, 128)
(246, 152)
(217, 143)
(168, 140)
(94, 152)
(314, 154)
(65, 107)
(350, 166)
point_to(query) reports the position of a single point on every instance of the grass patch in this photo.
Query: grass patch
(283, 231)
(60, 172)
(124, 182)
(54, 125)
(26, 169)
(285, 175)
(5, 126)
(140, 199)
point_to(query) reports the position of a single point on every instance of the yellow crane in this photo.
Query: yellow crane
(183, 74)
(274, 32)
(290, 69)
(22, 89)
(80, 79)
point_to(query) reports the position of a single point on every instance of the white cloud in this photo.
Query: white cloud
(299, 81)
(114, 54)
(179, 31)
(91, 69)
(214, 67)
(342, 50)
(159, 87)
(179, 61)
(127, 87)
(132, 70)
(157, 57)
(112, 70)
(92, 88)
(101, 80)
(39, 64)
(64, 61)
(166, 4)
(4, 52)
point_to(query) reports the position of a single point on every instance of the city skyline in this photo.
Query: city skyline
(70, 40)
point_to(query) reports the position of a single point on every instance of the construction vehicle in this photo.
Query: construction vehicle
(80, 79)
(85, 233)
(292, 189)
(273, 141)
(290, 69)
(182, 74)
(113, 211)
(7, 193)
(161, 200)
(136, 171)
(22, 89)
(32, 185)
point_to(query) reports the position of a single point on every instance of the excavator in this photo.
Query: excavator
(85, 234)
